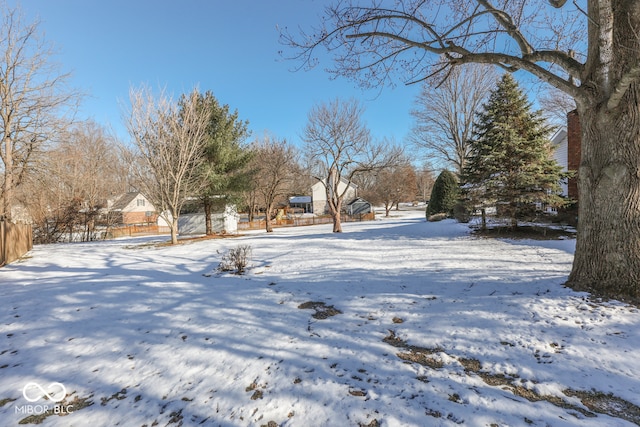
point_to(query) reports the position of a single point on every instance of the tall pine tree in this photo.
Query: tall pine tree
(226, 156)
(511, 165)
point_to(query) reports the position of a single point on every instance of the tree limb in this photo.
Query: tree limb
(506, 22)
(631, 77)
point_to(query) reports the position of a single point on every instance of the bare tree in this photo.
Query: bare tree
(169, 140)
(393, 185)
(555, 106)
(94, 171)
(588, 49)
(425, 180)
(33, 100)
(339, 147)
(68, 190)
(445, 111)
(274, 169)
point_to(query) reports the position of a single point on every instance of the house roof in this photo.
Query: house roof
(559, 136)
(124, 200)
(342, 179)
(357, 200)
(300, 199)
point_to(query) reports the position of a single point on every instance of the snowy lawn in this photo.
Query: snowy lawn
(396, 322)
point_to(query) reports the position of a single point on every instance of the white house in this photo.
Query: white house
(559, 142)
(319, 194)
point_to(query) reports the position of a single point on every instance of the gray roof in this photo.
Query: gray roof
(300, 199)
(124, 200)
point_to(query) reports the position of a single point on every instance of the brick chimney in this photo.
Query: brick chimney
(574, 142)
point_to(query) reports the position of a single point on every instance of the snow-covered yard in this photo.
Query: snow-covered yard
(396, 322)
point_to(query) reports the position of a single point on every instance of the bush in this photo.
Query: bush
(444, 195)
(461, 212)
(437, 217)
(236, 259)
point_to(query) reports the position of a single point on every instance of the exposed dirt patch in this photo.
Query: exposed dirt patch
(77, 404)
(421, 359)
(607, 404)
(323, 311)
(470, 365)
(394, 341)
(121, 395)
(534, 232)
(7, 400)
(596, 402)
(256, 389)
(181, 241)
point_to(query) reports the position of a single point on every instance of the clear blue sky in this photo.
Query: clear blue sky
(229, 47)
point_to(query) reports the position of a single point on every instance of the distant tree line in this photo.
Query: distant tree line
(187, 153)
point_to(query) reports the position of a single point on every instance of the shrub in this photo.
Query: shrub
(444, 195)
(461, 212)
(236, 259)
(437, 217)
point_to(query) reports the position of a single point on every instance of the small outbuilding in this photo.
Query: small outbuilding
(302, 204)
(358, 206)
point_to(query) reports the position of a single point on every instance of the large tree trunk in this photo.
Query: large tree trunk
(207, 216)
(174, 230)
(335, 207)
(607, 256)
(267, 220)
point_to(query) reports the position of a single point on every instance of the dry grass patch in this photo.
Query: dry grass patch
(323, 311)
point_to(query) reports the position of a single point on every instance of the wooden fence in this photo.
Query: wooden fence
(302, 221)
(15, 241)
(136, 230)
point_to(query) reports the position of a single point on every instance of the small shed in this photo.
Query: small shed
(221, 222)
(359, 206)
(301, 203)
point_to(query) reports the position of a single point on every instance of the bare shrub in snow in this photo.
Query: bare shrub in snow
(236, 259)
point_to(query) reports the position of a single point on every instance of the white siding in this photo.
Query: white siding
(319, 195)
(561, 154)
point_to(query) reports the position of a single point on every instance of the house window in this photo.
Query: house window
(140, 202)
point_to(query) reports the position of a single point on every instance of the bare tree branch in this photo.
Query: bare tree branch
(372, 42)
(445, 112)
(339, 146)
(170, 140)
(34, 100)
(274, 166)
(630, 78)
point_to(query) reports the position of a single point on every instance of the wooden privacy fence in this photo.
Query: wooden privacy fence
(136, 230)
(302, 221)
(15, 241)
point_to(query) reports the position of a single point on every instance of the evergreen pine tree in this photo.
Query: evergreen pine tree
(511, 165)
(444, 194)
(224, 170)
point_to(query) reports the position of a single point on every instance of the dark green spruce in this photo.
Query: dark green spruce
(511, 165)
